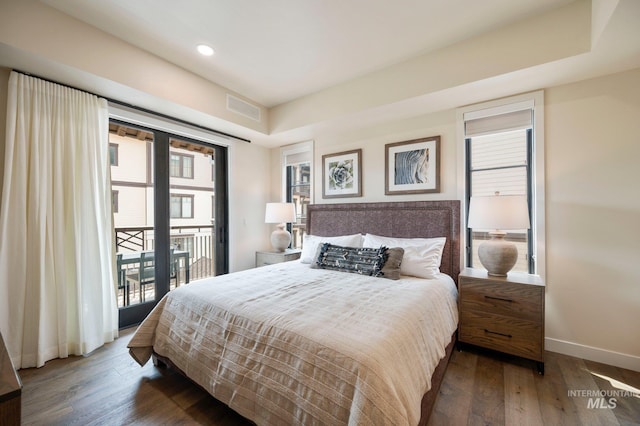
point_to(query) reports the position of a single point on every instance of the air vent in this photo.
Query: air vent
(244, 108)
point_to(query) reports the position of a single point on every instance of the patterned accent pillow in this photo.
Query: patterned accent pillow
(364, 261)
(391, 268)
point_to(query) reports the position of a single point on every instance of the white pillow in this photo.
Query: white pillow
(421, 255)
(310, 244)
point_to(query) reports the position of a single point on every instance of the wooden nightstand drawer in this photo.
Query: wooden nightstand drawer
(515, 300)
(504, 334)
(505, 314)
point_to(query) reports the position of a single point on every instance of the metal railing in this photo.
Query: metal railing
(198, 240)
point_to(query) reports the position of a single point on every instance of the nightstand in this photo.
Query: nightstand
(270, 257)
(505, 314)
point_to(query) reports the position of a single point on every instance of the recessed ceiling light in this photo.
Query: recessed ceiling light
(205, 50)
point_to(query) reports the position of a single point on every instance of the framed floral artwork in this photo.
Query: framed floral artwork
(413, 167)
(342, 174)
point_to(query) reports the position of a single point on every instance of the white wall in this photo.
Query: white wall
(592, 214)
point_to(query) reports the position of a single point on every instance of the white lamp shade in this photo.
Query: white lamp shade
(280, 213)
(500, 212)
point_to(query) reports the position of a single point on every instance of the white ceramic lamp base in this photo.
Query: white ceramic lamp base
(280, 238)
(497, 255)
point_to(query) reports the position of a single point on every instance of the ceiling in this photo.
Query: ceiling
(317, 68)
(278, 50)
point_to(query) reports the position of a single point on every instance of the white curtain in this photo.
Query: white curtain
(57, 295)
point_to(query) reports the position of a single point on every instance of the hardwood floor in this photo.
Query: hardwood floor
(109, 388)
(487, 388)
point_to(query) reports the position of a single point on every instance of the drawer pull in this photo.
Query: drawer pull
(499, 298)
(499, 334)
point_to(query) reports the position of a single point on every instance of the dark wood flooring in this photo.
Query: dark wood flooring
(479, 388)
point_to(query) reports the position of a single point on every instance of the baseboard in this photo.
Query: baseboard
(617, 359)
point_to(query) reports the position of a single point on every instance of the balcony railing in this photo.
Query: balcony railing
(196, 239)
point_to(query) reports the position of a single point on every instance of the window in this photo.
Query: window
(500, 162)
(113, 154)
(503, 152)
(181, 206)
(297, 161)
(181, 166)
(182, 242)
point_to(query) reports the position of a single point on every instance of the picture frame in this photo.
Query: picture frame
(342, 174)
(412, 167)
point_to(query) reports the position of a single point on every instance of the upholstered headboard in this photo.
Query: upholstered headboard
(417, 219)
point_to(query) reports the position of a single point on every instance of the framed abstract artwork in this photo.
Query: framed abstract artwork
(412, 167)
(342, 174)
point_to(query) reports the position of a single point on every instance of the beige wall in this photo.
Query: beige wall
(372, 141)
(249, 184)
(592, 213)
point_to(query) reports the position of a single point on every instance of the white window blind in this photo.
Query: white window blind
(297, 158)
(498, 163)
(514, 120)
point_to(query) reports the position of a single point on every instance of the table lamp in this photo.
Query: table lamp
(280, 213)
(498, 213)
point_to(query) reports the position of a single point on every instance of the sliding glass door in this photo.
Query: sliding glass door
(170, 204)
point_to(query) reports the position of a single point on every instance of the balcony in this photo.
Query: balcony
(194, 259)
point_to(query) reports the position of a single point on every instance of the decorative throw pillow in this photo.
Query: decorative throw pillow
(364, 261)
(310, 244)
(422, 256)
(392, 266)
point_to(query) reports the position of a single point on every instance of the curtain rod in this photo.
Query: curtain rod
(148, 111)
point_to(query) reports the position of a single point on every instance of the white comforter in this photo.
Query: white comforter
(287, 344)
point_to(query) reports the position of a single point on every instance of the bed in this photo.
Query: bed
(292, 344)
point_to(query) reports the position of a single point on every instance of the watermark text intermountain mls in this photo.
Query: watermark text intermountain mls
(606, 398)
